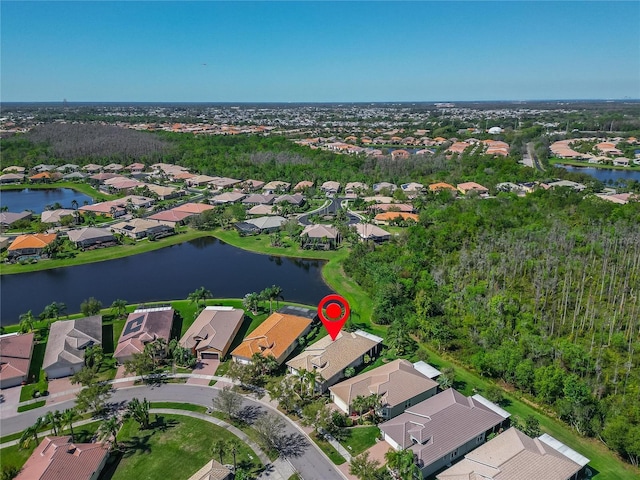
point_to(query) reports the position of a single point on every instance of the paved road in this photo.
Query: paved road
(532, 154)
(330, 209)
(303, 454)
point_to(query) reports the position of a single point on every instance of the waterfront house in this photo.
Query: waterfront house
(211, 334)
(143, 326)
(171, 217)
(319, 236)
(138, 228)
(9, 218)
(30, 244)
(368, 231)
(90, 237)
(66, 345)
(55, 216)
(213, 470)
(277, 336)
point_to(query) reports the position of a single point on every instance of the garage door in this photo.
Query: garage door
(209, 356)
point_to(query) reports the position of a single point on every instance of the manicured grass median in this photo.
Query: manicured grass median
(175, 449)
(359, 439)
(328, 449)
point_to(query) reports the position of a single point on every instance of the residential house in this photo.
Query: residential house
(9, 218)
(60, 457)
(15, 357)
(257, 199)
(135, 168)
(398, 384)
(265, 224)
(193, 208)
(67, 167)
(276, 336)
(368, 231)
(164, 193)
(227, 197)
(30, 244)
(353, 189)
(67, 342)
(92, 237)
(436, 187)
(621, 162)
(12, 178)
(261, 210)
(199, 180)
(143, 326)
(251, 185)
(4, 242)
(13, 169)
(391, 216)
(296, 200)
(303, 185)
(211, 334)
(399, 154)
(92, 168)
(379, 187)
(443, 428)
(512, 455)
(330, 188)
(171, 217)
(55, 216)
(138, 228)
(45, 177)
(412, 188)
(467, 187)
(220, 183)
(329, 358)
(212, 471)
(121, 185)
(74, 176)
(276, 186)
(319, 236)
(113, 167)
(391, 207)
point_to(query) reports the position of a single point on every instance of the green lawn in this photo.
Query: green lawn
(35, 371)
(175, 449)
(577, 163)
(359, 439)
(328, 449)
(180, 406)
(249, 432)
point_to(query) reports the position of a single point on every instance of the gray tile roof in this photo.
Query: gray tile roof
(214, 329)
(69, 338)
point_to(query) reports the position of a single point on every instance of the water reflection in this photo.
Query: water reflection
(169, 273)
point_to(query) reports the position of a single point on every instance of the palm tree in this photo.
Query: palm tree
(359, 404)
(110, 428)
(139, 411)
(31, 433)
(119, 307)
(26, 322)
(251, 302)
(219, 448)
(199, 295)
(234, 447)
(68, 417)
(54, 420)
(276, 292)
(402, 464)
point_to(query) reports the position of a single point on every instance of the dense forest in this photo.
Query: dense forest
(539, 292)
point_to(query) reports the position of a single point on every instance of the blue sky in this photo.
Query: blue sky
(318, 51)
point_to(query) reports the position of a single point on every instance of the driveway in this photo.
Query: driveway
(203, 367)
(9, 399)
(304, 455)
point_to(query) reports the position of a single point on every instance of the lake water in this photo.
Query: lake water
(605, 175)
(167, 274)
(37, 200)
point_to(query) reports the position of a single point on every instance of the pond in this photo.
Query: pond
(37, 200)
(605, 175)
(167, 274)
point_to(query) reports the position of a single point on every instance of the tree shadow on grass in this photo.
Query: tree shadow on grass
(111, 466)
(161, 424)
(136, 444)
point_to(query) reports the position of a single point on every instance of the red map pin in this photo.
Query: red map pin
(333, 310)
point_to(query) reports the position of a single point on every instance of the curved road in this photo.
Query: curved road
(305, 455)
(334, 205)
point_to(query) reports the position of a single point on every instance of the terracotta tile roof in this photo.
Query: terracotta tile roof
(172, 215)
(58, 458)
(468, 186)
(15, 356)
(193, 207)
(320, 231)
(273, 336)
(212, 471)
(34, 240)
(388, 216)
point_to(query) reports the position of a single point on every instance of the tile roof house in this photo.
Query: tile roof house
(354, 188)
(330, 187)
(368, 231)
(251, 185)
(330, 357)
(138, 228)
(67, 342)
(512, 455)
(9, 218)
(276, 186)
(258, 199)
(398, 383)
(12, 177)
(55, 216)
(444, 427)
(195, 208)
(91, 237)
(277, 335)
(15, 358)
(392, 216)
(228, 197)
(143, 326)
(212, 471)
(163, 192)
(378, 187)
(295, 199)
(212, 333)
(173, 216)
(31, 244)
(302, 185)
(434, 187)
(261, 210)
(58, 457)
(323, 236)
(467, 187)
(267, 224)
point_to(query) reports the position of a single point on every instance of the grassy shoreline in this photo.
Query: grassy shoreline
(78, 187)
(575, 163)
